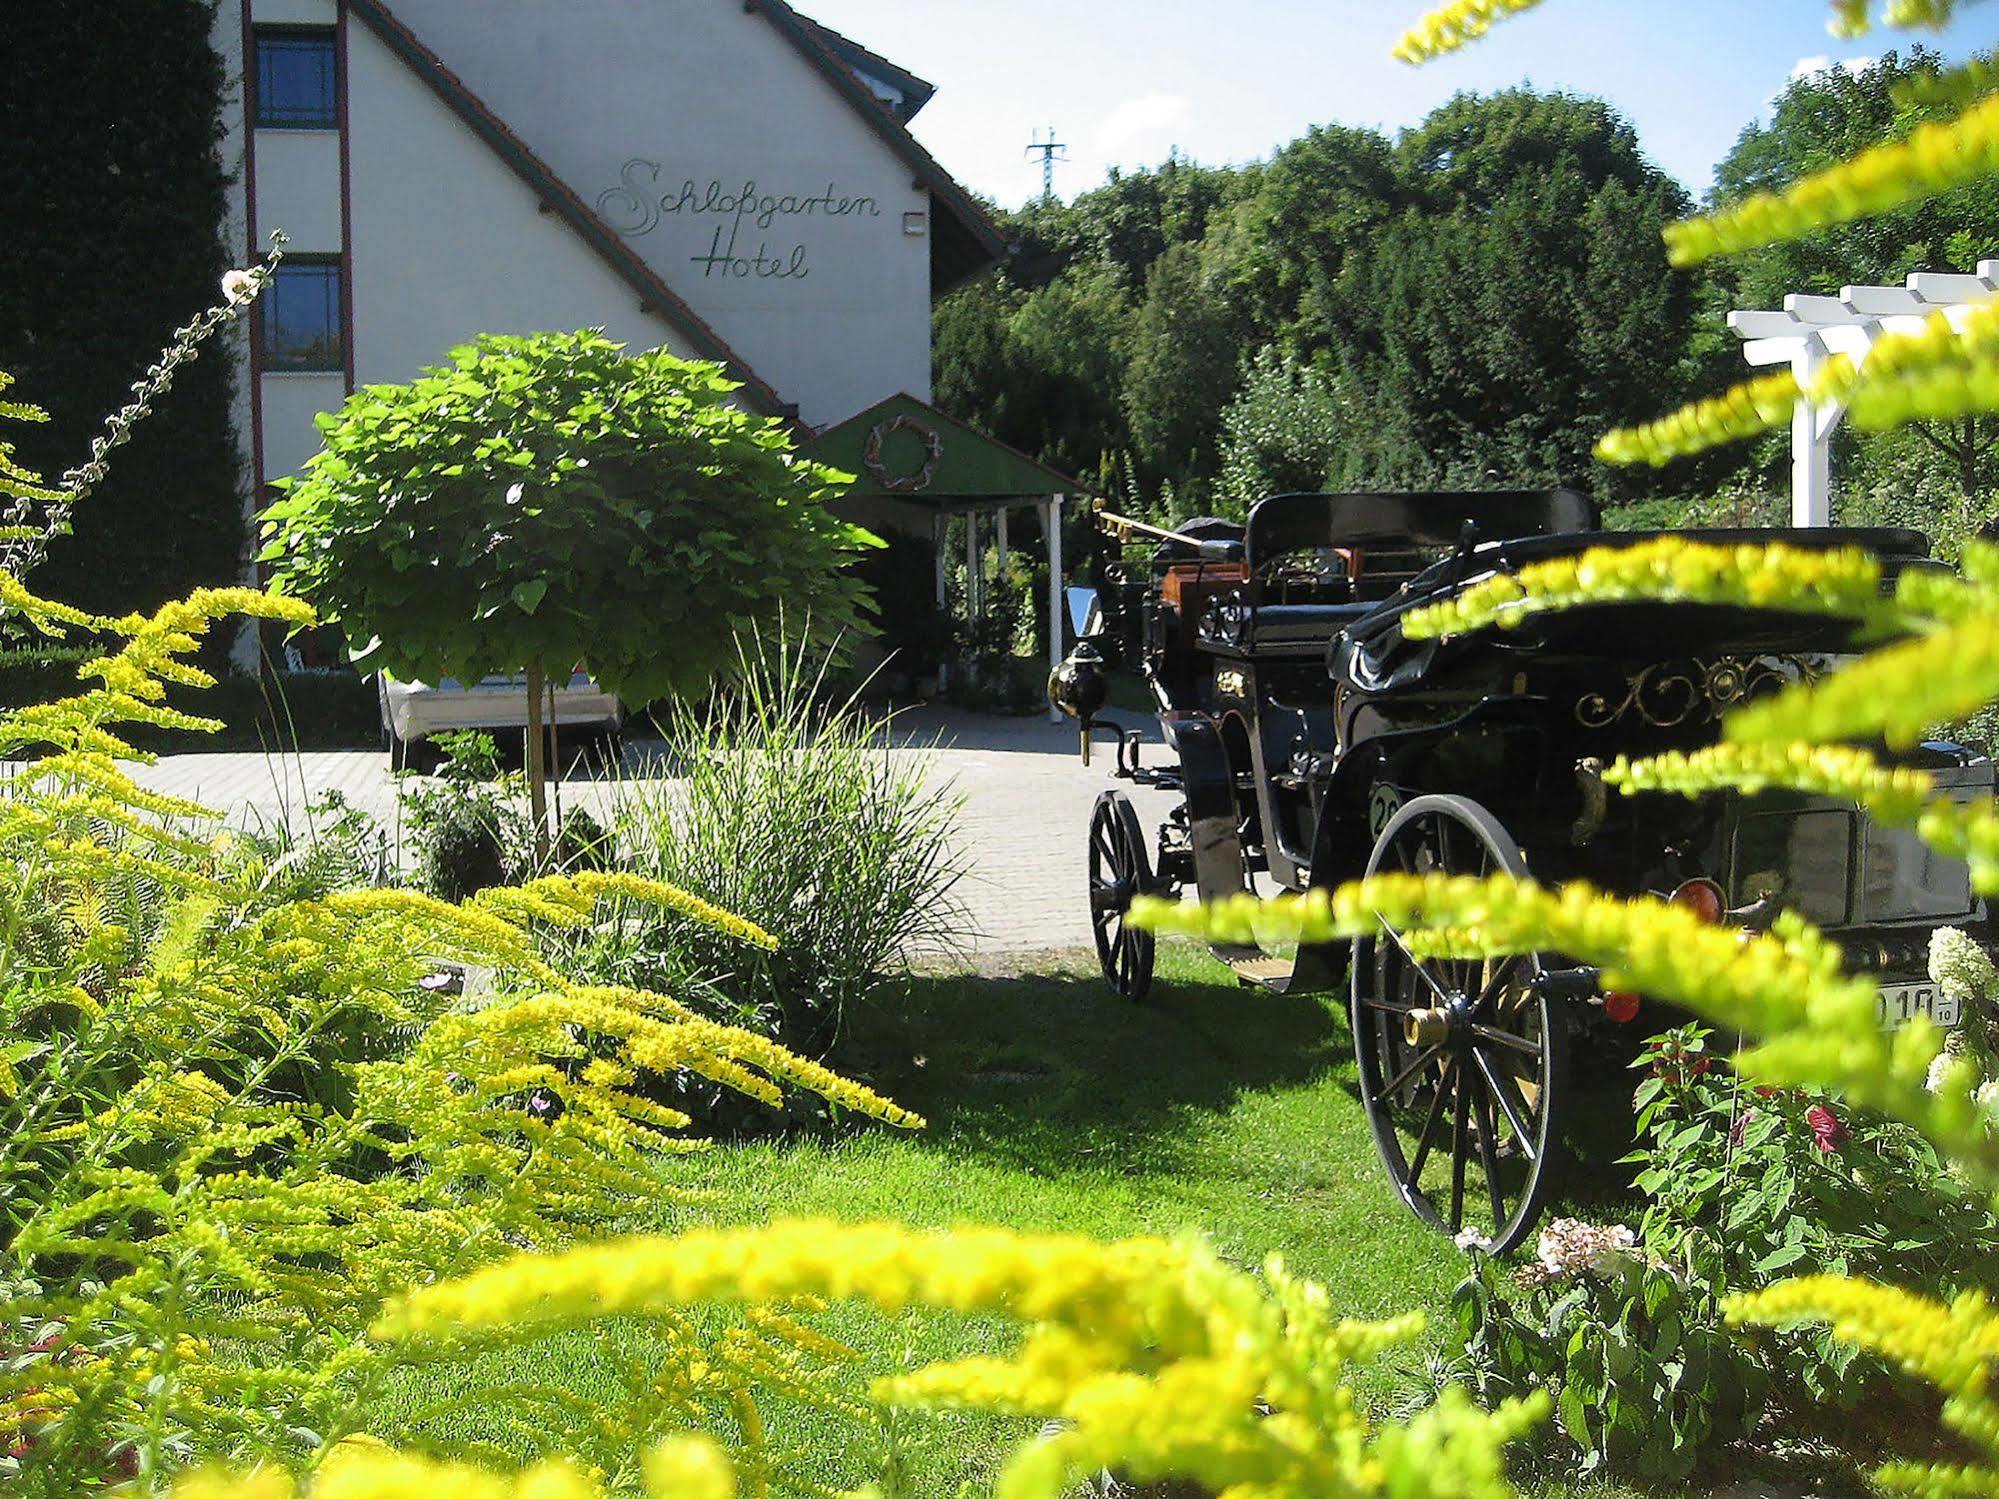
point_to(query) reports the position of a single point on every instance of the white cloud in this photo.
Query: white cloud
(1141, 128)
(1809, 67)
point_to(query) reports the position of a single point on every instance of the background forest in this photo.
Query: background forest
(1468, 304)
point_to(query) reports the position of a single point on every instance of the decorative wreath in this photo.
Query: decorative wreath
(871, 455)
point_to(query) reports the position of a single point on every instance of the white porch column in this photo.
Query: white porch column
(999, 539)
(1052, 522)
(938, 531)
(1811, 444)
(975, 589)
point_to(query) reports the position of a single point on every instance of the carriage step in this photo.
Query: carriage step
(1254, 967)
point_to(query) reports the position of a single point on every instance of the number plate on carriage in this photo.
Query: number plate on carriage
(1901, 1003)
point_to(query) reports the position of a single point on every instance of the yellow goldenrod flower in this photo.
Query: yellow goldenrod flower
(1163, 1362)
(1449, 27)
(1936, 157)
(1899, 692)
(1844, 582)
(1815, 1024)
(1747, 410)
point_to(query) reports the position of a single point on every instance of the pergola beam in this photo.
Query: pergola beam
(1812, 329)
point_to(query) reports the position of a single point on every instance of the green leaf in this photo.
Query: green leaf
(530, 595)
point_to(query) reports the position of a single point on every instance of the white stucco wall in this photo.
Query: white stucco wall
(291, 400)
(298, 188)
(688, 101)
(291, 12)
(448, 243)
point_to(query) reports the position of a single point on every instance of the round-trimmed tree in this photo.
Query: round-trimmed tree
(545, 500)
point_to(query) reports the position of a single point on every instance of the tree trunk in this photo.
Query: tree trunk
(537, 766)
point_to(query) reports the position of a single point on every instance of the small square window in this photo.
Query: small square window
(298, 72)
(300, 317)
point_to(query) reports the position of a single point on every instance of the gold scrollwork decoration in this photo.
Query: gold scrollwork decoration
(1669, 694)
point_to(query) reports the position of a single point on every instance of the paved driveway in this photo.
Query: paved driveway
(1024, 823)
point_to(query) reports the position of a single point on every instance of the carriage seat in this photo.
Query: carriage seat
(1300, 629)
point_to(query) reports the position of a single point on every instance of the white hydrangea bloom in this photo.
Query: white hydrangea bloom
(1987, 1098)
(1569, 1246)
(1960, 966)
(1946, 1061)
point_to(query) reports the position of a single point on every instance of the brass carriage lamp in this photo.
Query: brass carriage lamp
(1079, 688)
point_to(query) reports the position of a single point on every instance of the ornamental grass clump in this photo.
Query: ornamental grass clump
(792, 805)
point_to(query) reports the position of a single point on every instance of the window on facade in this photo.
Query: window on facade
(300, 317)
(297, 78)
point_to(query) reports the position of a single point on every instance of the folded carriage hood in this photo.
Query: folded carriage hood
(1373, 654)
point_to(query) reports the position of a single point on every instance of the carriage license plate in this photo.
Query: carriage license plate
(1901, 1003)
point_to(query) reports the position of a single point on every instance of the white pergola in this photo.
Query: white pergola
(1812, 330)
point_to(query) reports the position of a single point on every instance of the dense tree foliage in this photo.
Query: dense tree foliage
(1484, 295)
(113, 206)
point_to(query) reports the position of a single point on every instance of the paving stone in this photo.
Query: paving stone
(1024, 823)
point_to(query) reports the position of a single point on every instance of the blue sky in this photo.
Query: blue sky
(1125, 81)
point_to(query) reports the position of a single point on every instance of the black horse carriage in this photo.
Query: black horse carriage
(1310, 741)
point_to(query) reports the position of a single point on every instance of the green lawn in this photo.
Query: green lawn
(1053, 1106)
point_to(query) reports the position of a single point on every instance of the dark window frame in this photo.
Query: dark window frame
(333, 361)
(322, 117)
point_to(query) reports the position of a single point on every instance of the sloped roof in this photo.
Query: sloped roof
(655, 295)
(964, 240)
(955, 460)
(916, 92)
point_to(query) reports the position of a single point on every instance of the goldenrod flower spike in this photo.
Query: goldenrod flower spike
(1163, 1361)
(362, 1468)
(1449, 27)
(1747, 410)
(1954, 1347)
(1845, 583)
(1936, 157)
(1898, 693)
(1816, 1025)
(1968, 830)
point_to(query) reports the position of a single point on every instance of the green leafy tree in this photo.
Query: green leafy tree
(546, 500)
(1285, 432)
(1522, 305)
(1184, 368)
(1042, 369)
(1320, 197)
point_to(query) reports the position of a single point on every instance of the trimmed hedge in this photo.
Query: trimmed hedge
(113, 204)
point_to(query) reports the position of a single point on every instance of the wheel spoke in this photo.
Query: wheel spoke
(1499, 1036)
(1460, 1151)
(1495, 985)
(1442, 996)
(1100, 841)
(1489, 1157)
(1428, 1137)
(1389, 1088)
(1388, 1005)
(1500, 1086)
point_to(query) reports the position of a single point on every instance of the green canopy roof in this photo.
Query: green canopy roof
(906, 449)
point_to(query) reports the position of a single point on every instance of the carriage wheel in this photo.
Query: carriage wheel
(1462, 1061)
(1119, 869)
